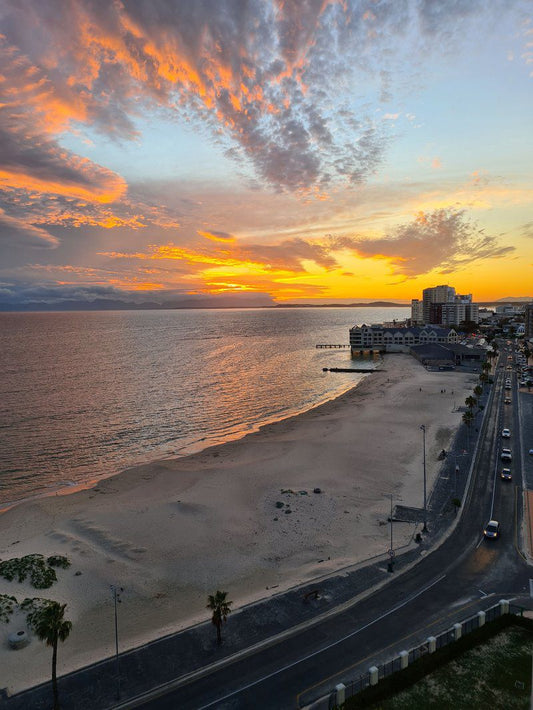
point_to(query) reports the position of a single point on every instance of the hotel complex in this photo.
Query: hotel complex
(399, 338)
(431, 323)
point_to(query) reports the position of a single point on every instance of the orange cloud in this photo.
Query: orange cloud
(217, 236)
(109, 189)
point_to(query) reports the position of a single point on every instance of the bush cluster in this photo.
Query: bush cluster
(40, 571)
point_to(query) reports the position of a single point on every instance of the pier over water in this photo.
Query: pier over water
(328, 345)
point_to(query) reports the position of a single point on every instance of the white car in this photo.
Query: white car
(506, 455)
(506, 433)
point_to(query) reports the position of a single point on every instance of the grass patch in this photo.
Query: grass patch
(490, 675)
(488, 671)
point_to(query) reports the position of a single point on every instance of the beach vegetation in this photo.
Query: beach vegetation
(47, 620)
(220, 606)
(58, 561)
(40, 571)
(7, 606)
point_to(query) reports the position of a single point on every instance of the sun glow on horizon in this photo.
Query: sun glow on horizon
(243, 152)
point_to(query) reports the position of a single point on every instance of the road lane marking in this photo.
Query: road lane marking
(325, 648)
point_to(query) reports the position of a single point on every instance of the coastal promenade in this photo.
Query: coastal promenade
(262, 634)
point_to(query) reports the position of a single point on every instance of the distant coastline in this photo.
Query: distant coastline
(210, 304)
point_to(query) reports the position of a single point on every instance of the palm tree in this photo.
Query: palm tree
(220, 607)
(478, 390)
(46, 618)
(468, 418)
(470, 402)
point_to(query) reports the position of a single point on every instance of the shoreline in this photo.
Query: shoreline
(175, 530)
(188, 449)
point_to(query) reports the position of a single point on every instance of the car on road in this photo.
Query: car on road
(506, 455)
(506, 433)
(506, 474)
(507, 400)
(492, 530)
(531, 452)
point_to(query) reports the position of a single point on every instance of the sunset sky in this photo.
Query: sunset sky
(289, 151)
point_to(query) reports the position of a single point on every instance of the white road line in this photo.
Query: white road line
(325, 648)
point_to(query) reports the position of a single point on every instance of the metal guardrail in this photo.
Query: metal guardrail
(449, 636)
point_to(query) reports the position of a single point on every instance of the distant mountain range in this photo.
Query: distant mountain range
(371, 304)
(515, 299)
(127, 303)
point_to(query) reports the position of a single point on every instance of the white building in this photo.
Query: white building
(417, 312)
(378, 337)
(462, 309)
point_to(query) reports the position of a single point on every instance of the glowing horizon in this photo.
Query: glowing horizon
(327, 150)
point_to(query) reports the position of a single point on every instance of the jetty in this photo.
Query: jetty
(353, 369)
(328, 345)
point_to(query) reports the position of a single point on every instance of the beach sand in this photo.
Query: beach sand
(173, 531)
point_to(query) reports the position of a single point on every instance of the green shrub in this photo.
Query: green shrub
(58, 561)
(40, 571)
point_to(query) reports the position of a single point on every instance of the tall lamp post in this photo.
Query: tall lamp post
(391, 549)
(116, 598)
(425, 527)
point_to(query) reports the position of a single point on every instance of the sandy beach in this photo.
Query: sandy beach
(174, 531)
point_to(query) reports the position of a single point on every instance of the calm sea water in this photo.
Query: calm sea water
(84, 395)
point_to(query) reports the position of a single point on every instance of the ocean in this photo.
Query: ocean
(85, 395)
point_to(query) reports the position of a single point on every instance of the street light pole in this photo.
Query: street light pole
(391, 545)
(425, 527)
(116, 598)
(390, 565)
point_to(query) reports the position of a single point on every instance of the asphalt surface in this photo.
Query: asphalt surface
(429, 590)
